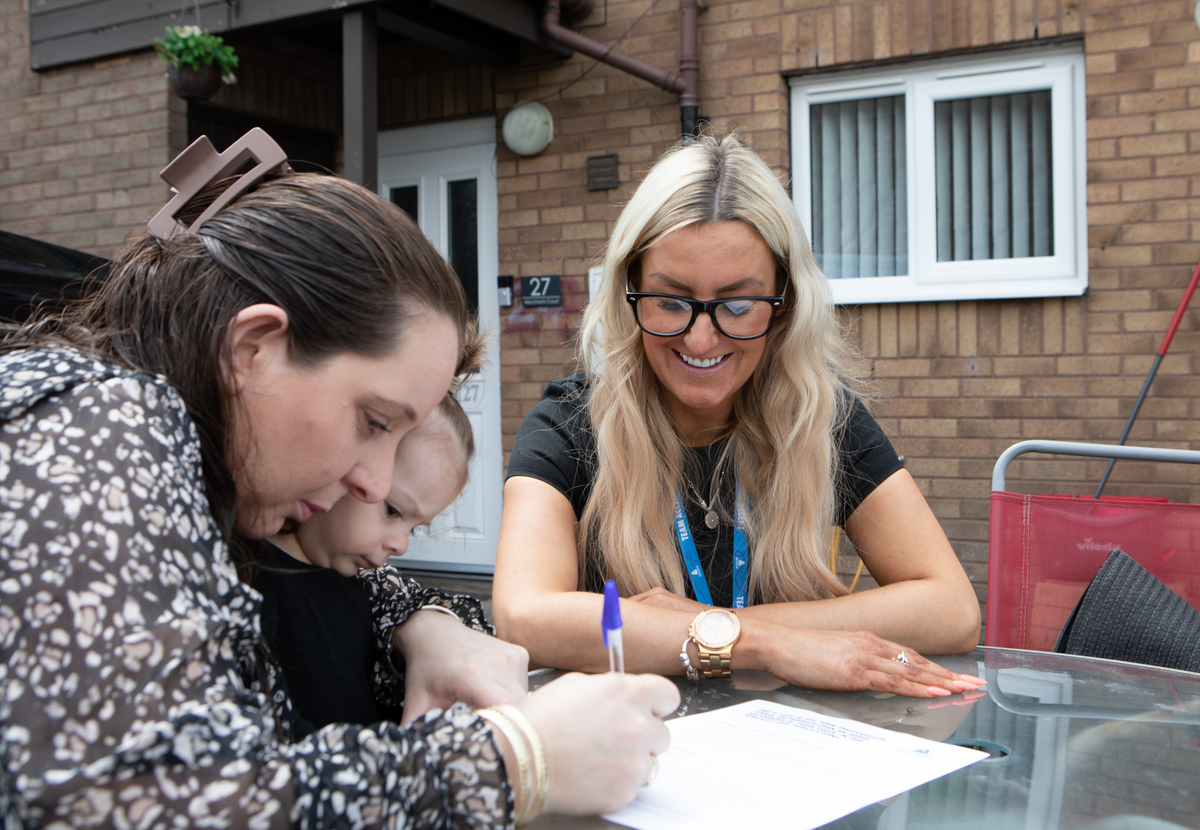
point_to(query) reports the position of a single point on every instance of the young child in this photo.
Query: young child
(317, 583)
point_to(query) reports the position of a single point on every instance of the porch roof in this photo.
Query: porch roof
(486, 31)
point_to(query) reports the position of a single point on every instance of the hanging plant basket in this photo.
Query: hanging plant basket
(195, 84)
(199, 61)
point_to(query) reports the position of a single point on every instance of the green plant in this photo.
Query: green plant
(189, 46)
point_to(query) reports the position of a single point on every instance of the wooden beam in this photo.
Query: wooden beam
(360, 97)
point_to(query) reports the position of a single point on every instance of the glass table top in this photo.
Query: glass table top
(1075, 743)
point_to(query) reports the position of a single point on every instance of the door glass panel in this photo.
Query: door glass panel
(406, 198)
(463, 214)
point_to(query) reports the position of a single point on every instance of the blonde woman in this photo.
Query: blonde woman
(705, 456)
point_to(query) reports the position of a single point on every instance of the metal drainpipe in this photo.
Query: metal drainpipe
(686, 86)
(689, 64)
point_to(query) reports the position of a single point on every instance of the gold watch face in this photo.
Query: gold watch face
(716, 629)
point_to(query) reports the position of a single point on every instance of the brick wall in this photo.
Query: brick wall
(958, 381)
(81, 146)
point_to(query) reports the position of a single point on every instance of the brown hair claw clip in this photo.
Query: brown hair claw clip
(200, 164)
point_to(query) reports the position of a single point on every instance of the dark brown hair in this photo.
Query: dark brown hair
(349, 269)
(473, 353)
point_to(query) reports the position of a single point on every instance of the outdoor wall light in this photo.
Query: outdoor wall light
(528, 128)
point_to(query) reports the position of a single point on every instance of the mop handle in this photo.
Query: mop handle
(1162, 351)
(1187, 298)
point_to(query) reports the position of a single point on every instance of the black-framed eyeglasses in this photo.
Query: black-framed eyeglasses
(740, 318)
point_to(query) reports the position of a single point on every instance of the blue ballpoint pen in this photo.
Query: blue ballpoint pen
(611, 622)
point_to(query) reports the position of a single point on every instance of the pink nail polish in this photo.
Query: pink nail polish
(937, 691)
(966, 685)
(979, 681)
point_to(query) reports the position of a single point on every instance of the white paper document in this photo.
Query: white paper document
(763, 765)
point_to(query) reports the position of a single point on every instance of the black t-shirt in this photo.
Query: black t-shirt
(320, 626)
(556, 444)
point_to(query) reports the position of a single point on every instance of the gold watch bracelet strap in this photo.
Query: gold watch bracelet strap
(715, 664)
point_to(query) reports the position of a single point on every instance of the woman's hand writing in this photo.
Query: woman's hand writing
(599, 732)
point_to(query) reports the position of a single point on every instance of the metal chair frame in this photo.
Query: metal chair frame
(1088, 451)
(1011, 583)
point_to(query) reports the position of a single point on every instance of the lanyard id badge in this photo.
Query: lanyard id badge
(741, 554)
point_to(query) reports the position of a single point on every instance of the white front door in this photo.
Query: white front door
(445, 176)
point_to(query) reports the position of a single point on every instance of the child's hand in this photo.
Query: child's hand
(447, 662)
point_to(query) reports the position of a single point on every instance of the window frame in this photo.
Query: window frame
(1057, 68)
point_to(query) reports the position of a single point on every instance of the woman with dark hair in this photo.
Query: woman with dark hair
(239, 371)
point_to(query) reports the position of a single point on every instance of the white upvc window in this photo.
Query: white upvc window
(957, 179)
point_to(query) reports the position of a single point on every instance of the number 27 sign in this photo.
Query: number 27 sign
(540, 291)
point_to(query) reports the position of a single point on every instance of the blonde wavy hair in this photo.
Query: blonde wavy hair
(781, 441)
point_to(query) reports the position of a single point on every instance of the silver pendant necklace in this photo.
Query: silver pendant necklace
(710, 513)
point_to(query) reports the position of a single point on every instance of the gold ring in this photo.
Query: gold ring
(653, 771)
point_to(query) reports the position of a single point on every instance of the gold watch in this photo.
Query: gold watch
(714, 632)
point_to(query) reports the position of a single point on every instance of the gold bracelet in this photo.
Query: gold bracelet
(516, 739)
(432, 607)
(540, 770)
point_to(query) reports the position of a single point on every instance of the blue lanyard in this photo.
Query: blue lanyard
(741, 554)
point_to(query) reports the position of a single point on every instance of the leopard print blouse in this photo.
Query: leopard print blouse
(133, 691)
